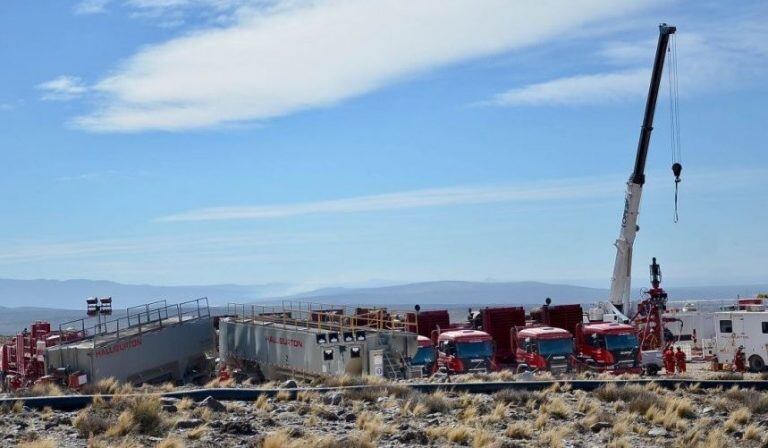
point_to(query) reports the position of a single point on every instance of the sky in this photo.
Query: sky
(361, 142)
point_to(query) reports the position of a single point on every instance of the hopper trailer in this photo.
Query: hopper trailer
(150, 343)
(304, 340)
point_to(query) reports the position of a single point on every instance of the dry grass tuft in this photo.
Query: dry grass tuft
(279, 439)
(557, 408)
(753, 432)
(519, 430)
(372, 425)
(43, 443)
(185, 403)
(737, 419)
(354, 440)
(123, 426)
(88, 422)
(44, 389)
(170, 442)
(482, 438)
(514, 396)
(460, 434)
(437, 402)
(283, 395)
(553, 437)
(146, 413)
(197, 433)
(637, 398)
(216, 382)
(263, 403)
(619, 443)
(306, 396)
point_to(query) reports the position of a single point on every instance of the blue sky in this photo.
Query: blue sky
(340, 142)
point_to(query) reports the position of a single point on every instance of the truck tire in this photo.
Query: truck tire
(756, 363)
(652, 369)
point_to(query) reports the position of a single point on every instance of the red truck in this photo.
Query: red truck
(543, 348)
(609, 347)
(466, 351)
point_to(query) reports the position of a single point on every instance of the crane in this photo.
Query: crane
(622, 267)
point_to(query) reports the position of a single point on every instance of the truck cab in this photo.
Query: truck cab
(612, 347)
(543, 348)
(466, 351)
(426, 356)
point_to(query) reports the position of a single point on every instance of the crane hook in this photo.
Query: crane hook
(677, 168)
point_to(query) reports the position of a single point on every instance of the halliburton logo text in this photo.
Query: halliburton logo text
(285, 341)
(118, 347)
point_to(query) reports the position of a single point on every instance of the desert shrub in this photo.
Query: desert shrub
(279, 439)
(197, 433)
(170, 442)
(737, 418)
(638, 398)
(146, 413)
(436, 402)
(354, 440)
(753, 432)
(89, 422)
(460, 434)
(45, 389)
(482, 438)
(553, 437)
(558, 408)
(514, 396)
(519, 430)
(372, 425)
(368, 394)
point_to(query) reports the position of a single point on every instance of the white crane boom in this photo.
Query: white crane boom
(622, 267)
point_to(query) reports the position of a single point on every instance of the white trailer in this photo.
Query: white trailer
(742, 328)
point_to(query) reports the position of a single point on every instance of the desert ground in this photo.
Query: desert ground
(393, 415)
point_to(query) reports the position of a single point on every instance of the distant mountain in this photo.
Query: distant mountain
(453, 293)
(457, 293)
(71, 294)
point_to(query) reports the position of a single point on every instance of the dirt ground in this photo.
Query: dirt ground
(393, 415)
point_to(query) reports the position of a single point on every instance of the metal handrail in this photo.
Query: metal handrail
(184, 311)
(325, 316)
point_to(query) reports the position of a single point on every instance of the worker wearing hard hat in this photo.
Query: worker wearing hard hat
(738, 360)
(680, 360)
(669, 360)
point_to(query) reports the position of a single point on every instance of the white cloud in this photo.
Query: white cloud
(602, 87)
(545, 192)
(299, 55)
(726, 61)
(91, 6)
(63, 88)
(568, 189)
(15, 252)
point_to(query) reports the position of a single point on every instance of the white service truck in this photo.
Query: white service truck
(748, 329)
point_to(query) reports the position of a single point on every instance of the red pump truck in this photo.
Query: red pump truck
(543, 348)
(465, 351)
(608, 346)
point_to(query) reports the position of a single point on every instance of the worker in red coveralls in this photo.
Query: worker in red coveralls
(680, 360)
(669, 360)
(738, 360)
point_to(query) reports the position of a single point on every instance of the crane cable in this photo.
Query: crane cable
(674, 114)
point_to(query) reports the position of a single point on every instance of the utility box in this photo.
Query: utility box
(376, 363)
